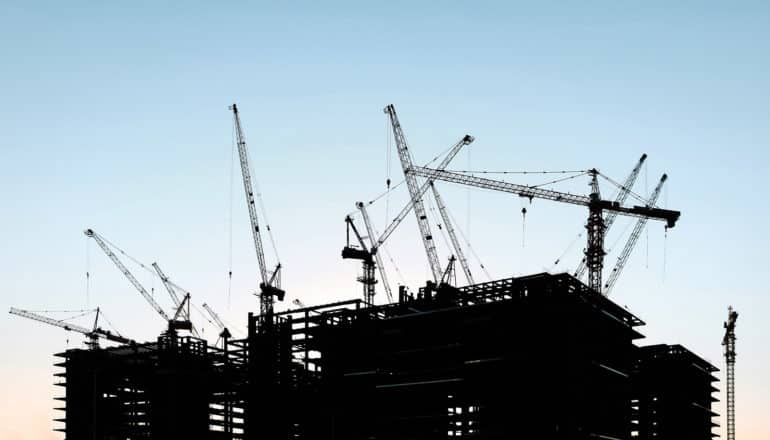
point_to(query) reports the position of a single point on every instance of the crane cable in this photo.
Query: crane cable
(621, 235)
(633, 194)
(401, 182)
(86, 311)
(214, 324)
(88, 271)
(387, 253)
(262, 209)
(523, 224)
(518, 172)
(469, 247)
(230, 219)
(665, 233)
(140, 264)
(569, 248)
(388, 154)
(468, 196)
(80, 315)
(646, 230)
(101, 312)
(432, 209)
(393, 262)
(563, 179)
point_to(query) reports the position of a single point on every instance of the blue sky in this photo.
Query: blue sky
(115, 117)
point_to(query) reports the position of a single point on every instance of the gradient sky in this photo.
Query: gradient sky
(114, 116)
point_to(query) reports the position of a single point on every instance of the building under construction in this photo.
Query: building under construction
(540, 357)
(536, 357)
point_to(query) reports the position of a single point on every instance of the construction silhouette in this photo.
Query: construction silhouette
(543, 356)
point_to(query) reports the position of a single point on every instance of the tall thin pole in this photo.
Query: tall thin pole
(729, 343)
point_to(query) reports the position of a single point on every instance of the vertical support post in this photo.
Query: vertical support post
(368, 281)
(595, 247)
(729, 344)
(595, 228)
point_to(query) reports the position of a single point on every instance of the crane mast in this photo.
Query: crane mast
(375, 254)
(93, 334)
(452, 236)
(119, 264)
(632, 239)
(414, 192)
(595, 228)
(596, 206)
(609, 219)
(363, 253)
(267, 288)
(729, 343)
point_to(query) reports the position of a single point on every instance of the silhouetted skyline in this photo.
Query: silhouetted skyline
(116, 118)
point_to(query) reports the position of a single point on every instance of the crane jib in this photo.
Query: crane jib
(669, 216)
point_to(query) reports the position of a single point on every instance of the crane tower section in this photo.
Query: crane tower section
(729, 343)
(269, 286)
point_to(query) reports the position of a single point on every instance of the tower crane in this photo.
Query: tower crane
(609, 219)
(449, 272)
(375, 254)
(270, 285)
(181, 311)
(367, 254)
(364, 253)
(414, 192)
(632, 239)
(596, 207)
(93, 334)
(173, 324)
(225, 333)
(452, 236)
(729, 343)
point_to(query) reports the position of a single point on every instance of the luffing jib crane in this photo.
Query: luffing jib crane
(632, 239)
(363, 253)
(173, 323)
(368, 254)
(270, 285)
(596, 207)
(414, 193)
(93, 334)
(123, 269)
(225, 333)
(609, 219)
(449, 273)
(182, 307)
(729, 343)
